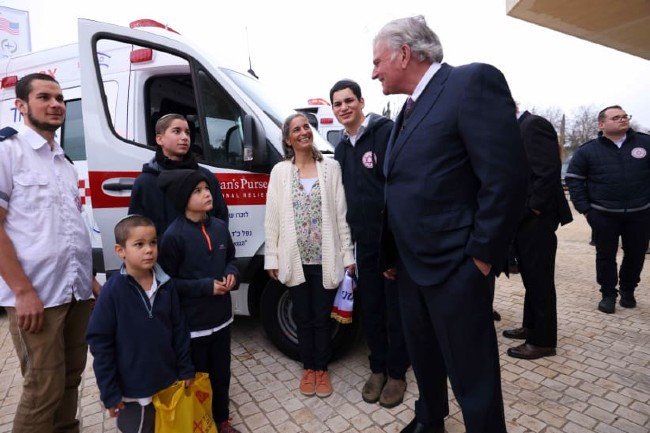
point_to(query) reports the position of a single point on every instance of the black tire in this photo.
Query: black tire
(277, 320)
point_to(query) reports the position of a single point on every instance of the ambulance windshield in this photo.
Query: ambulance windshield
(271, 103)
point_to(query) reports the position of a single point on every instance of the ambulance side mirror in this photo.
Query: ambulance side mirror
(254, 142)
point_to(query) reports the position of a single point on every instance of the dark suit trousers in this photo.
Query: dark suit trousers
(449, 331)
(634, 230)
(382, 324)
(536, 244)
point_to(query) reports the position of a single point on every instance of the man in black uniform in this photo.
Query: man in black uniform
(535, 241)
(609, 182)
(361, 155)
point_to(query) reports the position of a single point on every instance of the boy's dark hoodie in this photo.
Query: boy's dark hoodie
(138, 349)
(149, 200)
(195, 254)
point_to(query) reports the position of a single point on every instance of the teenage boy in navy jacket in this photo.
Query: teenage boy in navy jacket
(137, 334)
(361, 154)
(198, 253)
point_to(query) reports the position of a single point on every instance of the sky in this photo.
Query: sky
(302, 48)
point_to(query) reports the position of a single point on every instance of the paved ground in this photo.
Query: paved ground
(598, 382)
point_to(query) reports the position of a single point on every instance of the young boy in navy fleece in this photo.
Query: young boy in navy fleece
(198, 253)
(137, 334)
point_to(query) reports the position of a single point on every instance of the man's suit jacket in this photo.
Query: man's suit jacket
(545, 192)
(455, 175)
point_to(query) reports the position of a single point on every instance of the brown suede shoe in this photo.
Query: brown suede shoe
(308, 383)
(323, 384)
(393, 393)
(372, 389)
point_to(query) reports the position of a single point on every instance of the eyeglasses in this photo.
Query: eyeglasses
(622, 117)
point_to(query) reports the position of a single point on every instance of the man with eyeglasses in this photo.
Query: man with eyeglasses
(609, 182)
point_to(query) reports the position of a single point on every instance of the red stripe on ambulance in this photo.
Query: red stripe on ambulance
(244, 188)
(238, 189)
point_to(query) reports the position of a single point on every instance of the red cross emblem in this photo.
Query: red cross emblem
(84, 191)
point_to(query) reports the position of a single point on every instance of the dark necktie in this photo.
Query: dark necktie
(408, 109)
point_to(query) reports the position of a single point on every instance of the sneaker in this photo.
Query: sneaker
(393, 393)
(226, 427)
(627, 300)
(323, 384)
(307, 383)
(372, 389)
(607, 304)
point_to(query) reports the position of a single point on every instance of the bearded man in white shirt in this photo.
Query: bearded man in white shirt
(45, 260)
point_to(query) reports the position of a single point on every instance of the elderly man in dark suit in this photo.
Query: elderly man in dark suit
(535, 242)
(454, 194)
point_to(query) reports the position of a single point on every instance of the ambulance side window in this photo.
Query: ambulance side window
(224, 141)
(162, 82)
(141, 84)
(334, 137)
(72, 132)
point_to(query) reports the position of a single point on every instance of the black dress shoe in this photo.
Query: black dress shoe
(627, 300)
(530, 351)
(607, 304)
(417, 427)
(516, 334)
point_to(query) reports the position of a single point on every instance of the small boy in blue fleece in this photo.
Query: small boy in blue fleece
(198, 253)
(137, 333)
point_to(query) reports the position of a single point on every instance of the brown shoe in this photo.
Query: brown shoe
(530, 351)
(372, 389)
(323, 384)
(393, 393)
(307, 383)
(516, 334)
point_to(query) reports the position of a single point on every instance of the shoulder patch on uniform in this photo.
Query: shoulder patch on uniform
(7, 132)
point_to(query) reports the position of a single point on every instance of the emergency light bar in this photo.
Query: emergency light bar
(146, 22)
(9, 81)
(317, 101)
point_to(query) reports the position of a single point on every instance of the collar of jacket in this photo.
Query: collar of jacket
(158, 273)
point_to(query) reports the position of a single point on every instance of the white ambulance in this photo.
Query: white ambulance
(321, 117)
(117, 82)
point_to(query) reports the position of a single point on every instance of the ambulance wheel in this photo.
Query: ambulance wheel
(280, 328)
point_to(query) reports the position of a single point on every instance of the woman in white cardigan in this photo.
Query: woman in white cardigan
(308, 244)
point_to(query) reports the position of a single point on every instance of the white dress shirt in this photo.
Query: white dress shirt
(354, 138)
(38, 189)
(428, 75)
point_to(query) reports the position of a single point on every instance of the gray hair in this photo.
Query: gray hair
(414, 32)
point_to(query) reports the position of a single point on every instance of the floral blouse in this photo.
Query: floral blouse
(308, 216)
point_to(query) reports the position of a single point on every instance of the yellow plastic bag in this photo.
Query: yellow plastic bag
(181, 410)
